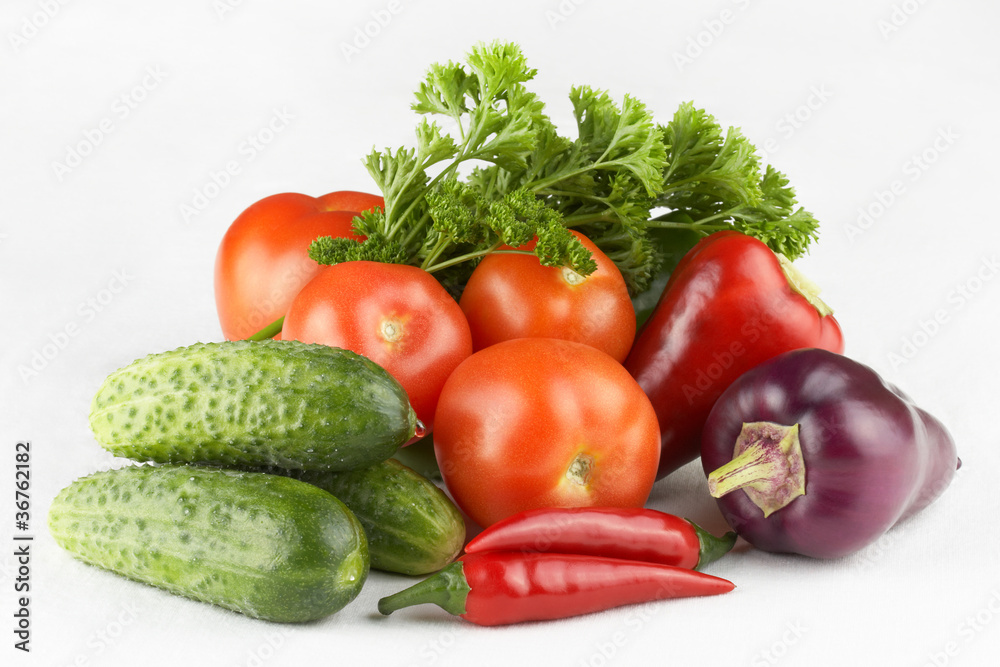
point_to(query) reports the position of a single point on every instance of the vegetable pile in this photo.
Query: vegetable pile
(561, 321)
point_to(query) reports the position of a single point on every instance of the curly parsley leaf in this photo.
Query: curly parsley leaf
(713, 181)
(504, 175)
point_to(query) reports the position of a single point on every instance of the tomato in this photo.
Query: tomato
(263, 259)
(398, 316)
(541, 422)
(513, 296)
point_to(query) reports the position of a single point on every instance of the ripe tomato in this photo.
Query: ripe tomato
(398, 316)
(513, 296)
(263, 259)
(541, 422)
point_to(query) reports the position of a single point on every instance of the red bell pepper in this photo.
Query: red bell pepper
(730, 304)
(502, 587)
(628, 533)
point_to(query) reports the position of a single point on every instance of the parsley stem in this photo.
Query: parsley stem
(414, 230)
(492, 250)
(694, 226)
(398, 223)
(439, 246)
(561, 176)
(584, 219)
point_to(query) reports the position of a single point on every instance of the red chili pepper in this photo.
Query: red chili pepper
(730, 305)
(627, 533)
(502, 587)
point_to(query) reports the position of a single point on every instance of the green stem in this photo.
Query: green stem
(447, 589)
(575, 220)
(712, 548)
(801, 284)
(435, 252)
(561, 176)
(767, 464)
(270, 331)
(398, 223)
(492, 250)
(693, 226)
(415, 229)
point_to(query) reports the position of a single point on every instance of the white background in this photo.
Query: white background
(846, 96)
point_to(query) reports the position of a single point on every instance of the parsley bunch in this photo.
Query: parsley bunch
(504, 175)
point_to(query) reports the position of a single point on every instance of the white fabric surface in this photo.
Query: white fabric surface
(99, 266)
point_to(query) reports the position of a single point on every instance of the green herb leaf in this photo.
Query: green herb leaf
(506, 176)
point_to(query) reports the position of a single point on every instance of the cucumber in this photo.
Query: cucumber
(411, 525)
(266, 546)
(420, 458)
(269, 403)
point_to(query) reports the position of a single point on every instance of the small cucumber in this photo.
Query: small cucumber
(269, 403)
(411, 525)
(266, 546)
(420, 457)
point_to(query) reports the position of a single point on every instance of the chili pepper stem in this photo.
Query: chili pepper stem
(767, 464)
(447, 589)
(712, 548)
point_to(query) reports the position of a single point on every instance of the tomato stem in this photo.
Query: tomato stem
(270, 331)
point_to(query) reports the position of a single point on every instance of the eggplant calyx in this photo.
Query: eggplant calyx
(801, 284)
(767, 464)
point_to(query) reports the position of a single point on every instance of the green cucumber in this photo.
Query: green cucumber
(411, 525)
(269, 403)
(420, 457)
(267, 546)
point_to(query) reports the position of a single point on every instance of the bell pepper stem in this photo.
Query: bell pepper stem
(270, 331)
(767, 464)
(802, 285)
(447, 589)
(712, 548)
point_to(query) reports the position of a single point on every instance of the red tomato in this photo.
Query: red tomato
(514, 296)
(541, 422)
(263, 259)
(398, 316)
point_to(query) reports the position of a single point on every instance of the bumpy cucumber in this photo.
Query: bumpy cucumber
(411, 525)
(267, 403)
(264, 545)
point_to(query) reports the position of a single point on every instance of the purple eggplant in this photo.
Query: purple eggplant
(813, 453)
